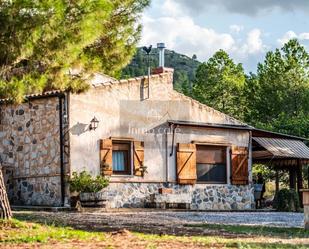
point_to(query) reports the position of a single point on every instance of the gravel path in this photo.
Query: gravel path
(278, 219)
(162, 222)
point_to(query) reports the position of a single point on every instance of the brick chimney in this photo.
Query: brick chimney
(161, 68)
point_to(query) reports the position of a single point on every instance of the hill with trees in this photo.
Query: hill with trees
(184, 66)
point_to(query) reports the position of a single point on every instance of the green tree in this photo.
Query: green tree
(219, 83)
(278, 95)
(182, 82)
(41, 41)
(184, 67)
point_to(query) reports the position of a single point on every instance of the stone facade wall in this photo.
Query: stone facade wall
(201, 196)
(30, 151)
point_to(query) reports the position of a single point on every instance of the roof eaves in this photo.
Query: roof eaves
(209, 125)
(282, 134)
(35, 96)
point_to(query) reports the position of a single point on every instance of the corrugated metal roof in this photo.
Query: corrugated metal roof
(287, 148)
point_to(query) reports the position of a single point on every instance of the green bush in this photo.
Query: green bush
(84, 182)
(287, 200)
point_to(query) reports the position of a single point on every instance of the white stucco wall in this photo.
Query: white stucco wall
(119, 108)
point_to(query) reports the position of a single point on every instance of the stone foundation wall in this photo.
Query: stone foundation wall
(43, 191)
(201, 196)
(30, 151)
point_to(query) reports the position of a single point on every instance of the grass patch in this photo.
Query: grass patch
(15, 231)
(285, 232)
(219, 242)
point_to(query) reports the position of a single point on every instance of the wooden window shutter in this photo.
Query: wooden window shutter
(138, 157)
(106, 157)
(186, 164)
(239, 169)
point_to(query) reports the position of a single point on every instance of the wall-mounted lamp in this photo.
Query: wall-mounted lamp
(94, 123)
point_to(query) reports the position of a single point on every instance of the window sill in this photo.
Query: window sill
(213, 183)
(122, 176)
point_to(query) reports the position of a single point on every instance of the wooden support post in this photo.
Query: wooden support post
(308, 177)
(292, 178)
(299, 180)
(277, 181)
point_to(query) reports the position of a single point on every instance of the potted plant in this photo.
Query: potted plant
(89, 188)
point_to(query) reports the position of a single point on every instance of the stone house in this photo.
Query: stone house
(154, 143)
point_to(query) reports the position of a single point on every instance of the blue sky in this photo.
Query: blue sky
(246, 29)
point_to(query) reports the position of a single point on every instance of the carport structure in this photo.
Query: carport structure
(282, 153)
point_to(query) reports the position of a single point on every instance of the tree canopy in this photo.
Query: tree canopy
(219, 83)
(278, 95)
(41, 42)
(275, 98)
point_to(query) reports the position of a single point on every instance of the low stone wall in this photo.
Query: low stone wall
(202, 196)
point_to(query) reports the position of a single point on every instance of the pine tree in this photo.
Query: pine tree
(219, 83)
(41, 41)
(278, 95)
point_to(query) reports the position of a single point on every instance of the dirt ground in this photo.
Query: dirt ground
(160, 230)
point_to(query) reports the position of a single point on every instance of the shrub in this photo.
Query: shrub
(84, 182)
(287, 200)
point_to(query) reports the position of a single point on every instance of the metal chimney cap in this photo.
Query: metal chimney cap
(160, 45)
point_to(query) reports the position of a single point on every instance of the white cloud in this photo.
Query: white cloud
(291, 35)
(303, 36)
(236, 28)
(171, 8)
(286, 37)
(254, 43)
(183, 35)
(180, 33)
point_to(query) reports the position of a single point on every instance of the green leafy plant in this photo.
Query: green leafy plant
(84, 182)
(287, 200)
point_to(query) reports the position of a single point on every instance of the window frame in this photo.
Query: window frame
(128, 171)
(227, 163)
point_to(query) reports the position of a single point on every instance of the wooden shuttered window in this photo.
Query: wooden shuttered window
(138, 157)
(186, 164)
(106, 157)
(239, 169)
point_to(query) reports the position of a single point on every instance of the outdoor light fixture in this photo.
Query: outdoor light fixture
(93, 123)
